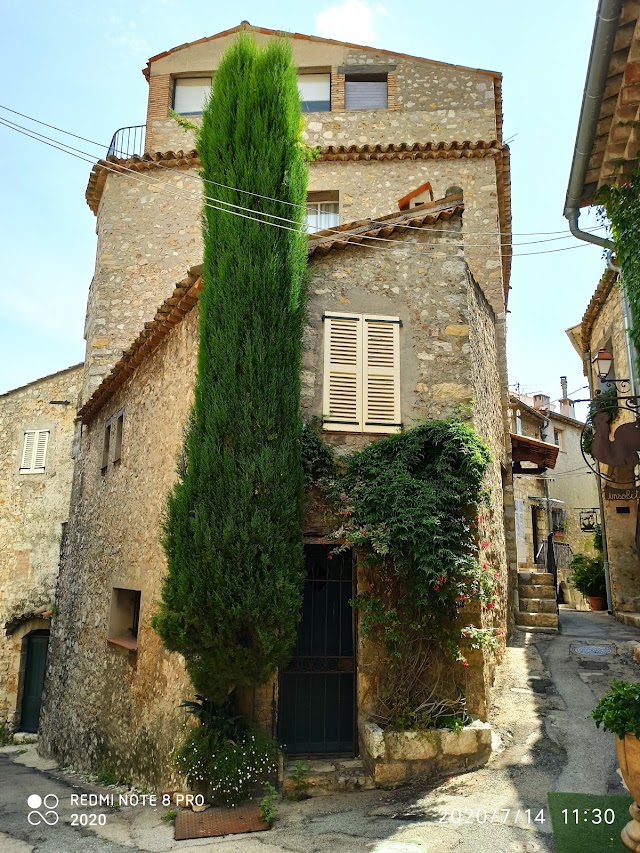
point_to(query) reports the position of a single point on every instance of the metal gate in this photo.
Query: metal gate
(317, 688)
(33, 683)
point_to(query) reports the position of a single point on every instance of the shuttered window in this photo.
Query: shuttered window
(315, 92)
(361, 373)
(365, 92)
(34, 451)
(189, 94)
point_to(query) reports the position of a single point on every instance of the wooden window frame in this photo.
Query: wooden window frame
(106, 445)
(31, 468)
(361, 395)
(117, 443)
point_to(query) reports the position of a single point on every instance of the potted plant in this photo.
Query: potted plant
(619, 712)
(587, 576)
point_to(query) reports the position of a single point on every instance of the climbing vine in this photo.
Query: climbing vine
(621, 203)
(411, 505)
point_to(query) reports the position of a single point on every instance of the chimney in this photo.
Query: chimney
(541, 402)
(566, 405)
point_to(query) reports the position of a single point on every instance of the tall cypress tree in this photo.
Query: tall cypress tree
(231, 599)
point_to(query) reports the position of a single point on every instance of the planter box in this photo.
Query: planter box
(392, 758)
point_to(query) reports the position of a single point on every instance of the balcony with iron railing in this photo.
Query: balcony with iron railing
(127, 142)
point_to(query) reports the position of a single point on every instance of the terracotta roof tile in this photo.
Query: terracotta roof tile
(36, 613)
(185, 294)
(336, 153)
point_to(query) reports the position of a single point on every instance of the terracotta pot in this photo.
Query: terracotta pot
(628, 752)
(597, 602)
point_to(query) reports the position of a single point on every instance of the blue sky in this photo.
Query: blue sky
(78, 66)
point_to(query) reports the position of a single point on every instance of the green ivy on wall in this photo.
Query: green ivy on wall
(410, 504)
(621, 203)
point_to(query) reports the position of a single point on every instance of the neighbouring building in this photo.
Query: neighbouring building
(605, 153)
(604, 328)
(36, 434)
(392, 164)
(558, 496)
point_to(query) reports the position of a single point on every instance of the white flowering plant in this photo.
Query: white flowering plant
(229, 757)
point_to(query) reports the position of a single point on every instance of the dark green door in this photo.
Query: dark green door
(317, 687)
(37, 644)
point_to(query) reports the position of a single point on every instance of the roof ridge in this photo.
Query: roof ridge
(245, 26)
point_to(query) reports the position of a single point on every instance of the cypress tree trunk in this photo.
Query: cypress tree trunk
(232, 596)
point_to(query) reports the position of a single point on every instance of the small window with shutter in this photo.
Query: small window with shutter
(190, 95)
(362, 373)
(106, 444)
(117, 450)
(365, 92)
(34, 451)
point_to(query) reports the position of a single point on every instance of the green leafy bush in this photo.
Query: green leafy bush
(230, 768)
(587, 575)
(619, 710)
(233, 531)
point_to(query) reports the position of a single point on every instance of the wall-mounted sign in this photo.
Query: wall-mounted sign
(588, 520)
(612, 494)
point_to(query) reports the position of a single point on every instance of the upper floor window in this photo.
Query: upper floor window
(34, 451)
(558, 438)
(323, 210)
(315, 92)
(365, 91)
(190, 94)
(361, 373)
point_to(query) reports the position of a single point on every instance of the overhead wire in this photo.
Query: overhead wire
(102, 145)
(234, 209)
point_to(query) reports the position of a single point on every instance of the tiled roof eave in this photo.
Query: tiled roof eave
(185, 294)
(604, 288)
(381, 151)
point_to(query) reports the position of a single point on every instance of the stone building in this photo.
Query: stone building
(36, 433)
(559, 496)
(408, 214)
(604, 327)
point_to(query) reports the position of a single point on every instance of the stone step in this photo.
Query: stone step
(330, 776)
(537, 605)
(536, 591)
(529, 629)
(537, 620)
(540, 578)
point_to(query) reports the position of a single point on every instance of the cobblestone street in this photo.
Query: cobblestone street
(544, 736)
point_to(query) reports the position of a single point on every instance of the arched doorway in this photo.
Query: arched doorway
(35, 649)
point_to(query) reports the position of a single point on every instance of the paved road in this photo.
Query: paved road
(545, 692)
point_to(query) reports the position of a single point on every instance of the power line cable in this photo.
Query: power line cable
(280, 201)
(234, 208)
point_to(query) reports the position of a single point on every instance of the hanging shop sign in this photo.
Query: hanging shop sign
(588, 520)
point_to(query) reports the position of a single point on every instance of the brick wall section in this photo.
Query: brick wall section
(121, 709)
(337, 91)
(32, 510)
(158, 105)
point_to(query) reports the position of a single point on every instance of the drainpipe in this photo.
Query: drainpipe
(604, 36)
(586, 358)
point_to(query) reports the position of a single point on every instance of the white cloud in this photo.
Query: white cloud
(351, 20)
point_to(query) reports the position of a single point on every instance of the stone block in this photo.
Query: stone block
(538, 605)
(536, 591)
(537, 620)
(390, 774)
(411, 746)
(459, 743)
(372, 740)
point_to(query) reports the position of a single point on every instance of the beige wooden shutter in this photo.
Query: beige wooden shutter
(40, 455)
(342, 398)
(381, 375)
(27, 450)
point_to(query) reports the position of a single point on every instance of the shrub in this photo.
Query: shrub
(587, 575)
(231, 768)
(619, 710)
(233, 532)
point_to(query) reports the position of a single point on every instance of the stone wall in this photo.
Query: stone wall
(104, 706)
(112, 707)
(149, 233)
(620, 516)
(33, 508)
(428, 101)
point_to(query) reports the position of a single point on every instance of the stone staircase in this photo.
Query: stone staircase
(537, 608)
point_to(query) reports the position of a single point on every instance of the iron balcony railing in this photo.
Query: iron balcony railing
(127, 142)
